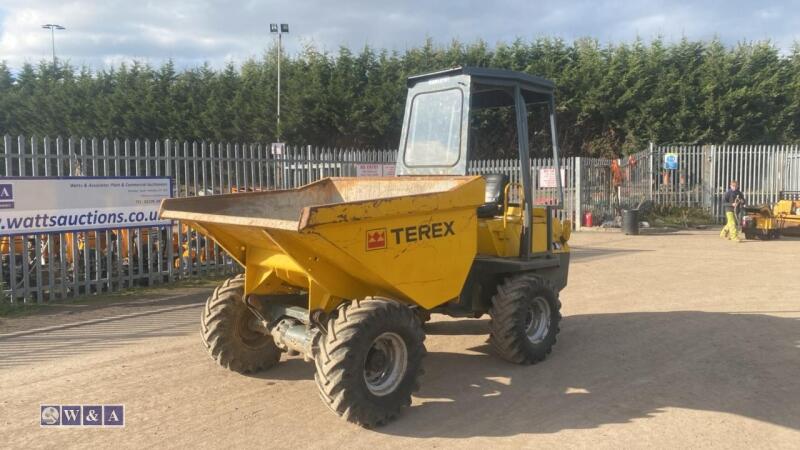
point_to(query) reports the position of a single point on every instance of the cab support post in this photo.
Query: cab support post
(525, 168)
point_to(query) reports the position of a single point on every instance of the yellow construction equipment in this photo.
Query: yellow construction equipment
(344, 271)
(768, 222)
(354, 243)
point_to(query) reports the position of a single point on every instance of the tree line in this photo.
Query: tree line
(611, 99)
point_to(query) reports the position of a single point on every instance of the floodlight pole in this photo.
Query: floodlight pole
(53, 44)
(279, 29)
(278, 129)
(53, 27)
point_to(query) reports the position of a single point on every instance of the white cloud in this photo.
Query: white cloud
(193, 31)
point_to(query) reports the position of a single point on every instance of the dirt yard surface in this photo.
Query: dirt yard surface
(670, 340)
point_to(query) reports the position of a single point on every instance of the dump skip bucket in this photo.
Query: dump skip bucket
(408, 238)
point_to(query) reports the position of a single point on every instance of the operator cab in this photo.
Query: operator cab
(437, 137)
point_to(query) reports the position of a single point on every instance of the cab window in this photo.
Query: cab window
(434, 129)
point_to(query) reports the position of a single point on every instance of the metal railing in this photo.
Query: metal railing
(61, 265)
(543, 193)
(37, 268)
(704, 173)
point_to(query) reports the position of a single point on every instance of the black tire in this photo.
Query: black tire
(766, 235)
(514, 312)
(227, 336)
(423, 315)
(351, 345)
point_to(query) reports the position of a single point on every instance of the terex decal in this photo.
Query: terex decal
(376, 239)
(422, 232)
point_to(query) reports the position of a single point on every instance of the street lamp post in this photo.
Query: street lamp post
(279, 30)
(53, 27)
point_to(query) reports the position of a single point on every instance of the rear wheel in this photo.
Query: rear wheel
(525, 316)
(370, 360)
(230, 333)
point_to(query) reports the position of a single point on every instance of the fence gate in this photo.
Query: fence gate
(593, 190)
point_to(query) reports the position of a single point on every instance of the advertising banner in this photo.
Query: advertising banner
(51, 205)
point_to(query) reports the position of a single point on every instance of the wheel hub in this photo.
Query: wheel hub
(385, 364)
(249, 331)
(537, 320)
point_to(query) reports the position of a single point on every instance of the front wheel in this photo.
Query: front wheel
(525, 316)
(369, 362)
(229, 334)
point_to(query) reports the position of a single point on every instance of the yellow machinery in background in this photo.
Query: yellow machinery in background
(768, 222)
(344, 271)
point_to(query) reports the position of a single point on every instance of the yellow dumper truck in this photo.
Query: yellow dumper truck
(344, 271)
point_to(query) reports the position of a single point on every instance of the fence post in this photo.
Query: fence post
(578, 200)
(7, 155)
(309, 162)
(708, 180)
(652, 181)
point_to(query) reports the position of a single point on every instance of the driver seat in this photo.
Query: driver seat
(495, 194)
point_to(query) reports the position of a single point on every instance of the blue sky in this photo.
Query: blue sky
(102, 33)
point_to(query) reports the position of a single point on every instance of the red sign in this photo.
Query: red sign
(547, 177)
(374, 170)
(376, 239)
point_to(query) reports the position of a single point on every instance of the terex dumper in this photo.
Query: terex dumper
(344, 271)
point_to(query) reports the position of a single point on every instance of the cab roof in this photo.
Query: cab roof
(491, 87)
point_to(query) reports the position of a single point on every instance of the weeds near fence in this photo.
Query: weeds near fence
(154, 293)
(8, 309)
(678, 216)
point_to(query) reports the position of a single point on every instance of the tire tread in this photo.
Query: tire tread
(338, 348)
(507, 335)
(217, 329)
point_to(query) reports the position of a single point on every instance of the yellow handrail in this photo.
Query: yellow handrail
(505, 201)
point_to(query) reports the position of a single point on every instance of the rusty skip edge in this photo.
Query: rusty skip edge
(176, 208)
(365, 209)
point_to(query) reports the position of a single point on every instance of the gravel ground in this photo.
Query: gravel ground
(669, 340)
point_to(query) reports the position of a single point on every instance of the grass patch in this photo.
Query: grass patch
(677, 217)
(8, 309)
